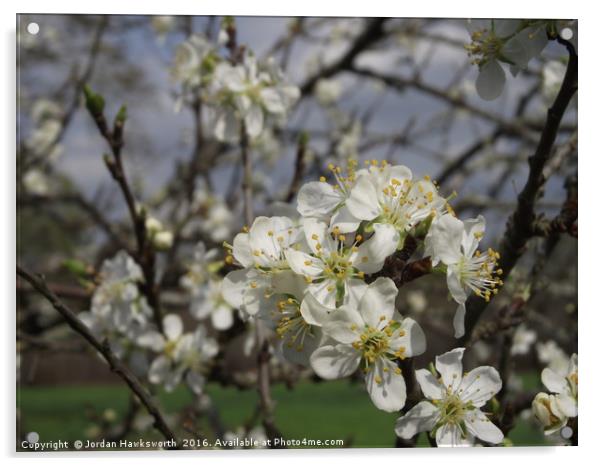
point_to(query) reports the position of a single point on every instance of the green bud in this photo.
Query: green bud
(304, 138)
(95, 103)
(76, 267)
(121, 115)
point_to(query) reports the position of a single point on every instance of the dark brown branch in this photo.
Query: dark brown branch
(104, 349)
(519, 228)
(373, 32)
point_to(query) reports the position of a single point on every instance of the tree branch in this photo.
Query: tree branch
(519, 228)
(104, 349)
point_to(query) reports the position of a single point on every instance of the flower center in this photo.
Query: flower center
(480, 273)
(291, 326)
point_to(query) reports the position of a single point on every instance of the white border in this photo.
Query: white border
(589, 251)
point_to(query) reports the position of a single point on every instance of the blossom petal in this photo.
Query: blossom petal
(318, 199)
(195, 381)
(302, 263)
(344, 220)
(459, 320)
(554, 382)
(430, 386)
(314, 312)
(444, 240)
(300, 355)
(378, 301)
(172, 326)
(234, 286)
(315, 233)
(335, 362)
(387, 387)
(491, 80)
(272, 101)
(481, 427)
(480, 385)
(222, 318)
(254, 121)
(241, 250)
(363, 200)
(450, 435)
(421, 418)
(449, 365)
(344, 325)
(413, 341)
(372, 253)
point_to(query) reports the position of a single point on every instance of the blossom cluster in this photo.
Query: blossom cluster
(314, 278)
(247, 95)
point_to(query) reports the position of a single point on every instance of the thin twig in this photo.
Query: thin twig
(105, 350)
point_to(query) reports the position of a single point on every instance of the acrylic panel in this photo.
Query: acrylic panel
(270, 232)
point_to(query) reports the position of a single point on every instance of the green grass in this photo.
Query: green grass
(330, 410)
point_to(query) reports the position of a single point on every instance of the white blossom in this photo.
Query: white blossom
(452, 409)
(335, 265)
(182, 355)
(553, 410)
(248, 94)
(387, 195)
(328, 91)
(454, 243)
(371, 335)
(498, 41)
(522, 340)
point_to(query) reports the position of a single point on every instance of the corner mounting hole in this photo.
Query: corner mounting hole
(566, 34)
(33, 28)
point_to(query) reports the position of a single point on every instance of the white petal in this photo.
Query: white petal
(378, 301)
(195, 381)
(567, 405)
(473, 230)
(172, 326)
(372, 253)
(481, 427)
(414, 340)
(344, 325)
(480, 385)
(317, 199)
(254, 121)
(363, 200)
(313, 311)
(344, 220)
(456, 289)
(315, 233)
(430, 386)
(302, 355)
(325, 292)
(226, 126)
(272, 101)
(222, 318)
(303, 263)
(159, 369)
(335, 362)
(554, 382)
(387, 388)
(241, 250)
(459, 320)
(234, 286)
(354, 290)
(505, 27)
(450, 435)
(421, 418)
(491, 80)
(449, 365)
(444, 239)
